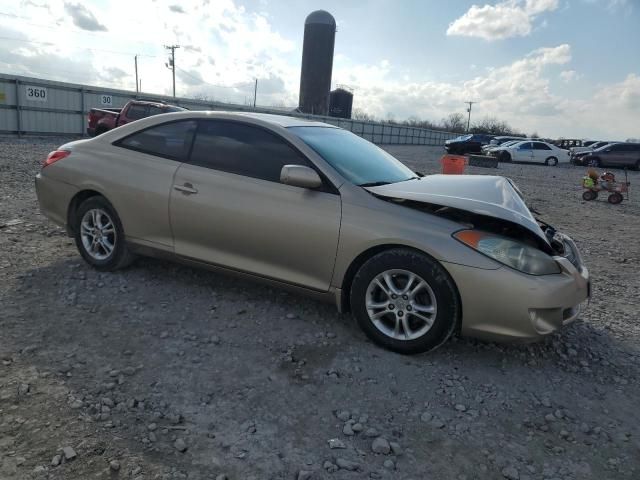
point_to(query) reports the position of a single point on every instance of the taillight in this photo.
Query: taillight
(54, 156)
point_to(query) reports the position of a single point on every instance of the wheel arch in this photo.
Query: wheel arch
(363, 257)
(76, 201)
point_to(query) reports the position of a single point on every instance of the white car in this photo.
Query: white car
(487, 149)
(536, 152)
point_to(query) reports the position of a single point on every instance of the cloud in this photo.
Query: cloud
(83, 18)
(568, 75)
(624, 95)
(510, 18)
(176, 9)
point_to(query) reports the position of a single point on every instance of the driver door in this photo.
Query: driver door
(524, 152)
(229, 208)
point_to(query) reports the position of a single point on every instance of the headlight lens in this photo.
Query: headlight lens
(509, 252)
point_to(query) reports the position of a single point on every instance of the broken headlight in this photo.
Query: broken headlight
(511, 253)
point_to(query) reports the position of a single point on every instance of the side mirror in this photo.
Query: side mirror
(300, 176)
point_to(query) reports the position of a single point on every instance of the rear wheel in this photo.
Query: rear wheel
(593, 162)
(615, 198)
(99, 235)
(589, 195)
(405, 301)
(551, 161)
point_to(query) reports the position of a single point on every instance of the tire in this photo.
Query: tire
(593, 162)
(110, 252)
(615, 198)
(504, 157)
(551, 162)
(589, 195)
(405, 318)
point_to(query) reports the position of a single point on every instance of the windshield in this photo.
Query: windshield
(510, 142)
(359, 161)
(462, 138)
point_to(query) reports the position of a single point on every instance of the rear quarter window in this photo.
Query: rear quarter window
(168, 140)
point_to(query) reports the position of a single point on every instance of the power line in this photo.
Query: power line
(79, 48)
(211, 84)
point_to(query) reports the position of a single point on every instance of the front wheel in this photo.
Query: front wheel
(405, 301)
(589, 195)
(551, 161)
(99, 235)
(505, 157)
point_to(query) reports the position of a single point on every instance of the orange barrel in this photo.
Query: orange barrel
(453, 164)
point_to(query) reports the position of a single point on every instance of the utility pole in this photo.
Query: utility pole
(135, 59)
(172, 64)
(255, 93)
(469, 112)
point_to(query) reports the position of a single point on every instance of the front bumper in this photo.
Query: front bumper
(507, 305)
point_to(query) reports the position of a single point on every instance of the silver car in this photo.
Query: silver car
(319, 210)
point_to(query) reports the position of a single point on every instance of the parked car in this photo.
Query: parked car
(614, 155)
(470, 143)
(587, 147)
(487, 149)
(101, 120)
(500, 140)
(536, 152)
(321, 211)
(577, 154)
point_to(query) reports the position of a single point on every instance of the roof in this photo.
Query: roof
(280, 120)
(321, 17)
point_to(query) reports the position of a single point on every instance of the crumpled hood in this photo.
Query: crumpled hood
(482, 194)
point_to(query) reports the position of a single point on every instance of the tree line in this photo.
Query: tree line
(454, 122)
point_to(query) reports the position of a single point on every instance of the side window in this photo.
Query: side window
(169, 140)
(155, 111)
(540, 146)
(243, 150)
(135, 112)
(525, 146)
(617, 148)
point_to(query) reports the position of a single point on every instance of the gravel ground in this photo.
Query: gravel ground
(167, 372)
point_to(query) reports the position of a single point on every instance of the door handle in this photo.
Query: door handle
(186, 189)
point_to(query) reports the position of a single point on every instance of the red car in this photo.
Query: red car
(103, 119)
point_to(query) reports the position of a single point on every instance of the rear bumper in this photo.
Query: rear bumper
(54, 198)
(506, 305)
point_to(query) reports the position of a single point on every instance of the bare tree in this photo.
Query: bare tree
(362, 115)
(455, 122)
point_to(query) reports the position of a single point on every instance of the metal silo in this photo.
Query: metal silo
(317, 62)
(340, 103)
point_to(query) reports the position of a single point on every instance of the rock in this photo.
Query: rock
(343, 415)
(347, 464)
(23, 389)
(152, 427)
(336, 443)
(371, 433)
(389, 465)
(347, 430)
(330, 467)
(357, 427)
(222, 476)
(426, 417)
(381, 445)
(396, 448)
(291, 316)
(69, 453)
(114, 465)
(461, 408)
(56, 460)
(180, 445)
(510, 473)
(305, 475)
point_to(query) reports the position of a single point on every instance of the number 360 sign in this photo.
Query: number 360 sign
(38, 94)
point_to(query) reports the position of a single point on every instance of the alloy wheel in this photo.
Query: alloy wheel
(98, 234)
(401, 304)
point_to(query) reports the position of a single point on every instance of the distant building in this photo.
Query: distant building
(340, 103)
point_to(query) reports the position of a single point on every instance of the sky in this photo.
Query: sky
(559, 68)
